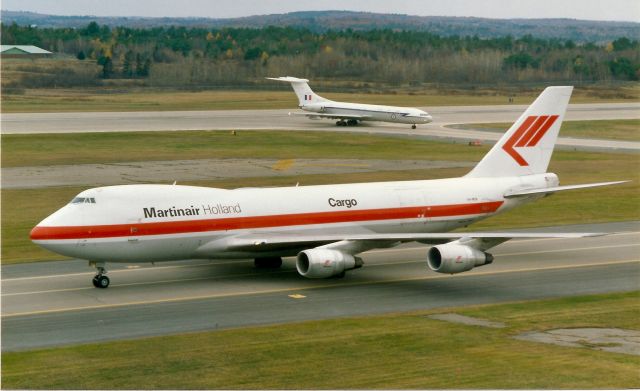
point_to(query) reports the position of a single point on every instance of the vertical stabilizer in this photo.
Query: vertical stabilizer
(305, 95)
(527, 146)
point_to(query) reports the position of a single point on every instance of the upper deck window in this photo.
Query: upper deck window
(83, 200)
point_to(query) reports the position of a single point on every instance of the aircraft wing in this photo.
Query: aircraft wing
(278, 241)
(331, 116)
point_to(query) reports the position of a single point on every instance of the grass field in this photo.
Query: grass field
(22, 209)
(51, 149)
(627, 129)
(140, 99)
(395, 351)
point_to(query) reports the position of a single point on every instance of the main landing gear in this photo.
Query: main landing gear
(100, 280)
(267, 263)
(349, 122)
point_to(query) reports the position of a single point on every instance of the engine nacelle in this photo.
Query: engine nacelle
(316, 108)
(324, 263)
(456, 258)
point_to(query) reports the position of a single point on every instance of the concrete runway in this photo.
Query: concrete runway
(53, 303)
(444, 116)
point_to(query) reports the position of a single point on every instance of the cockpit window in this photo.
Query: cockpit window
(83, 200)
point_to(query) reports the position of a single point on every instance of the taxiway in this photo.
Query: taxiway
(444, 117)
(53, 303)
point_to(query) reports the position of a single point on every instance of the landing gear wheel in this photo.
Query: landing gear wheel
(413, 126)
(101, 281)
(352, 122)
(267, 263)
(341, 123)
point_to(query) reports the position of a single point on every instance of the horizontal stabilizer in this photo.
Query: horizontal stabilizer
(289, 79)
(548, 190)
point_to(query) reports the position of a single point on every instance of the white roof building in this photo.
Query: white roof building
(22, 49)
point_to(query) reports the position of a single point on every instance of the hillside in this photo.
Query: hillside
(321, 21)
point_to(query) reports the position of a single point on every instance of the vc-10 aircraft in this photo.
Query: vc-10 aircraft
(349, 114)
(325, 227)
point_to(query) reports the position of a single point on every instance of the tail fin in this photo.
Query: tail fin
(302, 90)
(527, 146)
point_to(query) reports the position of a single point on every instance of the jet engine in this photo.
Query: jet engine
(456, 258)
(324, 263)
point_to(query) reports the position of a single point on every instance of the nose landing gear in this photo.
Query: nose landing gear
(413, 126)
(100, 280)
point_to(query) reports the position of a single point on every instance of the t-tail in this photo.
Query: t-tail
(526, 148)
(305, 95)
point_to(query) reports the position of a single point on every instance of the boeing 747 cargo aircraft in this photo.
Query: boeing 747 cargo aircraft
(324, 227)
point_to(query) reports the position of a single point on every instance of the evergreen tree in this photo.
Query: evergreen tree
(127, 64)
(107, 68)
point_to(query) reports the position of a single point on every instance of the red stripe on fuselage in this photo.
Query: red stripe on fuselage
(234, 223)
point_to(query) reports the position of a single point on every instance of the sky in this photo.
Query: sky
(615, 10)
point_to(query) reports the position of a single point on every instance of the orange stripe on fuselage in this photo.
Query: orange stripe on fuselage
(252, 222)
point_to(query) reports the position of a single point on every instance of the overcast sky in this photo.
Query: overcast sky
(621, 10)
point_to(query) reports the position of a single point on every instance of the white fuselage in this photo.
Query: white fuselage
(404, 115)
(147, 223)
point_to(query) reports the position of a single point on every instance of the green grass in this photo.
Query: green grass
(132, 98)
(395, 351)
(22, 209)
(52, 149)
(623, 129)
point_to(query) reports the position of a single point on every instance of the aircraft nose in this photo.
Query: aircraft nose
(35, 233)
(49, 228)
(39, 233)
(428, 118)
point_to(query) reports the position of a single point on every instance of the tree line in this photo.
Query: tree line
(168, 56)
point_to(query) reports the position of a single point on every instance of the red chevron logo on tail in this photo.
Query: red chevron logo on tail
(528, 135)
